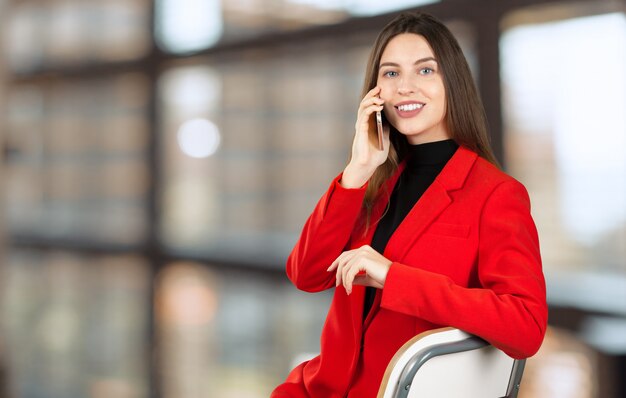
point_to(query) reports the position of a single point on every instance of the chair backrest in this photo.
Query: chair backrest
(450, 363)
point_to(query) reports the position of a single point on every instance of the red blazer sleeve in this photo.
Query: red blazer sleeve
(509, 307)
(324, 237)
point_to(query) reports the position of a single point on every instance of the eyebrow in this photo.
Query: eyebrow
(419, 61)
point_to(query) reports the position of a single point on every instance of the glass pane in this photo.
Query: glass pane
(60, 33)
(75, 326)
(231, 334)
(188, 25)
(565, 93)
(374, 7)
(191, 25)
(76, 162)
(275, 123)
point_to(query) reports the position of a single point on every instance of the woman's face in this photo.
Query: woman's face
(412, 87)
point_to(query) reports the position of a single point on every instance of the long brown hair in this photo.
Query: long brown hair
(465, 115)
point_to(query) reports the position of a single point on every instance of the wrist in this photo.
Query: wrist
(355, 176)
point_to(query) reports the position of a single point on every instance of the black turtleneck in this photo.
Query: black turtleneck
(424, 163)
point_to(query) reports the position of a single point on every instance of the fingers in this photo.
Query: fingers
(373, 93)
(364, 117)
(362, 266)
(366, 153)
(366, 280)
(369, 104)
(356, 265)
(340, 263)
(349, 273)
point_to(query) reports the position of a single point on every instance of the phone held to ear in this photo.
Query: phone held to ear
(379, 125)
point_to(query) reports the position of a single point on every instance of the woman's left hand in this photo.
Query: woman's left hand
(362, 266)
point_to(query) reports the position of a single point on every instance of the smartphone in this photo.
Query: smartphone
(379, 125)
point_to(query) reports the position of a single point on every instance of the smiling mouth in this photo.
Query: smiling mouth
(409, 107)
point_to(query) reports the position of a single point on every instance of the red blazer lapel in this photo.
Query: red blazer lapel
(431, 204)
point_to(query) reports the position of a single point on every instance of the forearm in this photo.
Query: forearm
(514, 321)
(325, 236)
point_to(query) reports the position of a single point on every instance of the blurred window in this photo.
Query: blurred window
(357, 7)
(372, 7)
(229, 334)
(76, 163)
(188, 25)
(184, 26)
(267, 128)
(564, 93)
(74, 325)
(41, 34)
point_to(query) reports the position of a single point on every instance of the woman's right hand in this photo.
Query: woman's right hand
(366, 156)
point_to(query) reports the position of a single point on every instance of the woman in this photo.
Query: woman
(425, 233)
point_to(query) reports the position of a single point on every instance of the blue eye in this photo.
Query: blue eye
(390, 74)
(426, 71)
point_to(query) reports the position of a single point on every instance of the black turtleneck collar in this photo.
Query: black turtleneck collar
(424, 163)
(430, 153)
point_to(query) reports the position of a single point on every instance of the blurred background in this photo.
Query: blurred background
(159, 158)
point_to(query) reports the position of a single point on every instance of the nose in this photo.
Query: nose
(406, 86)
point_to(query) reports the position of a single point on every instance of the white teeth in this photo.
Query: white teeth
(410, 107)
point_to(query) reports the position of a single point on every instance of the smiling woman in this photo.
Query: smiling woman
(412, 87)
(423, 233)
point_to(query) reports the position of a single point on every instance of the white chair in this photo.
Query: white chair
(449, 363)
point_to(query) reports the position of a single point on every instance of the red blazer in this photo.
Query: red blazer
(466, 256)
